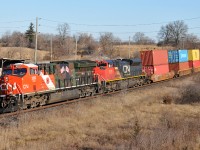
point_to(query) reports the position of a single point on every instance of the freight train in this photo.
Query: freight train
(24, 85)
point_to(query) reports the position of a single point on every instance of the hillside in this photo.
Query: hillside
(21, 53)
(28, 53)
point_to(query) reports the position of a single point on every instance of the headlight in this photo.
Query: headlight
(6, 79)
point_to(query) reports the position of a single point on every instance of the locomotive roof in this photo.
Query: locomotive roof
(7, 61)
(24, 64)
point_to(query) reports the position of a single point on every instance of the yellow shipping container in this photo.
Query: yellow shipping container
(193, 54)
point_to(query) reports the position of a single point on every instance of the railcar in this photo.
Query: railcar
(119, 74)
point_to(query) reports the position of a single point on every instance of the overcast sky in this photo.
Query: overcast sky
(122, 17)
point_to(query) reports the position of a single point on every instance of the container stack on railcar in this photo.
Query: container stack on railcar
(194, 59)
(178, 62)
(155, 65)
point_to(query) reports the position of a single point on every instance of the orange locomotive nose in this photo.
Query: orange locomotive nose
(5, 85)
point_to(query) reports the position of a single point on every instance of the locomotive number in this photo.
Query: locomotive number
(126, 69)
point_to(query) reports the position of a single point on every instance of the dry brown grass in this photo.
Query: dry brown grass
(137, 120)
(121, 51)
(21, 53)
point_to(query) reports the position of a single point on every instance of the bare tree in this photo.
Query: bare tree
(107, 41)
(86, 43)
(63, 33)
(5, 40)
(66, 43)
(44, 41)
(191, 41)
(16, 39)
(141, 38)
(173, 32)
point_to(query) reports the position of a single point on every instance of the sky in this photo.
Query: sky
(121, 17)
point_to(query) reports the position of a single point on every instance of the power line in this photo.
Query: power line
(126, 32)
(15, 21)
(12, 27)
(117, 25)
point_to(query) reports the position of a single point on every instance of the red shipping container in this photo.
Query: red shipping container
(148, 70)
(157, 69)
(179, 66)
(194, 64)
(154, 57)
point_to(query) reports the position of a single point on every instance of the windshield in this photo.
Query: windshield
(101, 64)
(7, 72)
(18, 72)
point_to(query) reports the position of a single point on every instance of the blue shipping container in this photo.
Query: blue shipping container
(183, 55)
(173, 56)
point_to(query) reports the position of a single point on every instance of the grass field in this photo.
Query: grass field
(21, 53)
(136, 120)
(119, 51)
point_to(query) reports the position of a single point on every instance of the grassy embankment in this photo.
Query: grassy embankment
(136, 120)
(119, 51)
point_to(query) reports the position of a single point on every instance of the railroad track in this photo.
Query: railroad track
(20, 112)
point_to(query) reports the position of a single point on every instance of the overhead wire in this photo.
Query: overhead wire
(122, 25)
(94, 32)
(15, 21)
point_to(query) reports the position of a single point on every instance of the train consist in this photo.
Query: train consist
(25, 85)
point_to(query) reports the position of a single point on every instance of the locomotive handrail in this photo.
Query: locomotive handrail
(101, 77)
(104, 81)
(19, 89)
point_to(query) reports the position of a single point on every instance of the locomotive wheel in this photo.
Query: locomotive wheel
(82, 95)
(33, 104)
(176, 76)
(149, 82)
(4, 104)
(87, 94)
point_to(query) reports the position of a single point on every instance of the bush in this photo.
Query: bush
(189, 94)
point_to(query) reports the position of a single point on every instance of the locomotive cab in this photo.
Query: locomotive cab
(22, 85)
(15, 78)
(23, 78)
(16, 72)
(106, 71)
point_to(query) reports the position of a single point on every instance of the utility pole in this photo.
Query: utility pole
(129, 47)
(183, 42)
(51, 43)
(76, 48)
(36, 34)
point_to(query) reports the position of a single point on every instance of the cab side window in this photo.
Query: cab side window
(33, 71)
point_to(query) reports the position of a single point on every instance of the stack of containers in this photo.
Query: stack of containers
(178, 60)
(194, 60)
(155, 62)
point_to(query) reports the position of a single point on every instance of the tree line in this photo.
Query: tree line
(172, 34)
